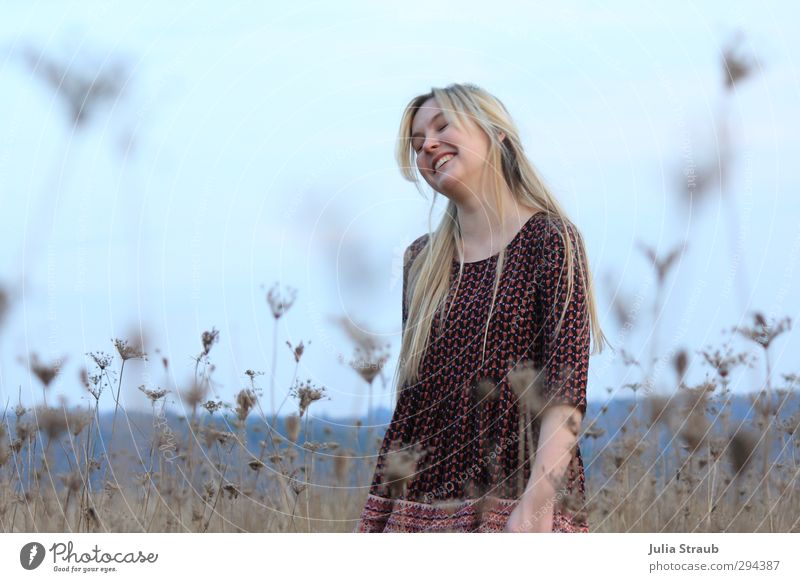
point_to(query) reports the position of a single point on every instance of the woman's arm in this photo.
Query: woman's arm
(557, 438)
(563, 352)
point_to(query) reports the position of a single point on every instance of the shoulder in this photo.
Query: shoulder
(548, 249)
(415, 247)
(549, 235)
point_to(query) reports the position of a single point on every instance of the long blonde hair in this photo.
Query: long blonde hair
(429, 275)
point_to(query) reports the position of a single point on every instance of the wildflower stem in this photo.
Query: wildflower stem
(274, 366)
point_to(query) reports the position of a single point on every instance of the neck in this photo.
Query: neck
(481, 232)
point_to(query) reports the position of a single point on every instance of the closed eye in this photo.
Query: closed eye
(417, 150)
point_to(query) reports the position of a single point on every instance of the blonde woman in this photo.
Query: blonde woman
(497, 311)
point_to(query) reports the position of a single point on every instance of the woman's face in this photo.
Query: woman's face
(435, 140)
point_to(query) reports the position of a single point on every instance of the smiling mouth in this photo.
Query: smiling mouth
(437, 170)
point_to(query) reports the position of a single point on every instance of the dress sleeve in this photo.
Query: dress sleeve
(562, 352)
(408, 257)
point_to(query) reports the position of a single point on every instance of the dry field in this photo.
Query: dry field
(677, 463)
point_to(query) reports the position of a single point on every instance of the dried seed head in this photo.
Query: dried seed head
(297, 351)
(735, 68)
(77, 422)
(252, 374)
(573, 502)
(716, 447)
(153, 395)
(208, 339)
(279, 304)
(72, 481)
(763, 332)
(307, 394)
(212, 406)
(527, 383)
(25, 431)
(593, 432)
(696, 398)
(296, 485)
(196, 394)
(681, 362)
(231, 490)
(486, 390)
(741, 446)
(369, 360)
(791, 425)
(695, 431)
(573, 425)
(46, 373)
(209, 490)
(128, 352)
(212, 435)
(291, 425)
(661, 266)
(725, 362)
(101, 359)
(314, 446)
(661, 409)
(245, 401)
(52, 421)
(341, 465)
(399, 467)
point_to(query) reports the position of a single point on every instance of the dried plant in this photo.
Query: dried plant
(291, 425)
(735, 66)
(297, 351)
(208, 339)
(279, 303)
(153, 395)
(486, 390)
(764, 332)
(399, 468)
(128, 352)
(741, 446)
(528, 383)
(245, 401)
(306, 394)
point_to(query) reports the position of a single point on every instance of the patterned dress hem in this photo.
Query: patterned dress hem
(486, 515)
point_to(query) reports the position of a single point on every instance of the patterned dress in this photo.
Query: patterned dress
(472, 446)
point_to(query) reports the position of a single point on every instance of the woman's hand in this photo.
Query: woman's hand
(534, 512)
(524, 519)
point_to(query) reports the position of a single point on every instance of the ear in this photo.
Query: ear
(501, 136)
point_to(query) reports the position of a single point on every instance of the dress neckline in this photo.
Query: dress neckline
(507, 247)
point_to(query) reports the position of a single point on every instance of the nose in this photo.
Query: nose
(429, 143)
(429, 148)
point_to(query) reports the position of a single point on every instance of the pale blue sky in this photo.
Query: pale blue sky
(263, 150)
